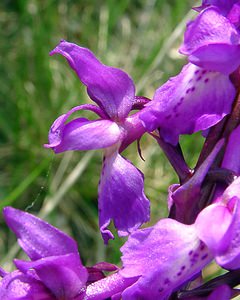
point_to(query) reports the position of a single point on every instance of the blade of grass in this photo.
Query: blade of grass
(51, 203)
(13, 196)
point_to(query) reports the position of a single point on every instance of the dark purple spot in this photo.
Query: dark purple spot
(179, 103)
(179, 273)
(177, 115)
(181, 99)
(195, 255)
(206, 80)
(188, 91)
(196, 72)
(190, 252)
(204, 256)
(166, 281)
(183, 268)
(204, 72)
(193, 89)
(190, 80)
(202, 247)
(168, 117)
(160, 289)
(199, 78)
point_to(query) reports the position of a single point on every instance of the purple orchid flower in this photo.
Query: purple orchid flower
(121, 195)
(202, 94)
(55, 271)
(212, 42)
(169, 254)
(223, 5)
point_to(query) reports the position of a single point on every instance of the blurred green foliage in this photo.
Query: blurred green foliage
(141, 37)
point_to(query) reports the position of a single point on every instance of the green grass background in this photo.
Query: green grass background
(142, 37)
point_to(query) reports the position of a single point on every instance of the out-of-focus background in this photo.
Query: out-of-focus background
(141, 37)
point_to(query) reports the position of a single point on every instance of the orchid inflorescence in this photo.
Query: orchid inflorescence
(164, 261)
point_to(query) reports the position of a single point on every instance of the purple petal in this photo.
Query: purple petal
(63, 275)
(232, 191)
(112, 89)
(222, 292)
(218, 226)
(58, 124)
(223, 5)
(230, 259)
(36, 237)
(212, 224)
(234, 15)
(121, 197)
(107, 287)
(212, 42)
(165, 256)
(82, 134)
(193, 100)
(18, 286)
(231, 159)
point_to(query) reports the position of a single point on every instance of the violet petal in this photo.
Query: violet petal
(36, 237)
(222, 292)
(191, 101)
(218, 226)
(212, 224)
(121, 197)
(18, 286)
(165, 256)
(107, 287)
(63, 275)
(230, 259)
(234, 15)
(82, 134)
(212, 42)
(111, 88)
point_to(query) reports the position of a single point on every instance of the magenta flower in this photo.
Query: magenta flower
(169, 254)
(202, 94)
(55, 271)
(121, 195)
